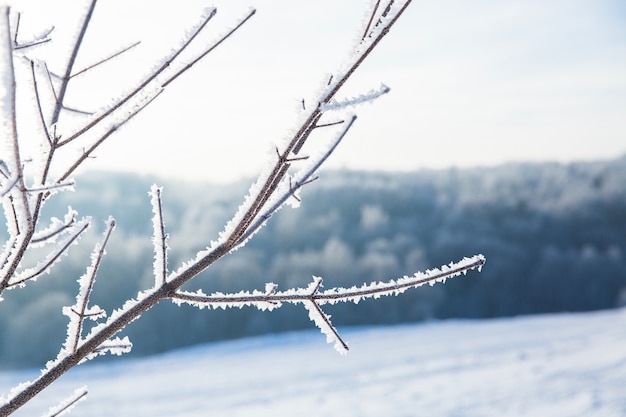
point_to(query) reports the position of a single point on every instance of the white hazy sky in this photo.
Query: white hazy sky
(473, 82)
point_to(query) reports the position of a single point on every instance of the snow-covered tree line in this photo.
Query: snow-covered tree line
(36, 114)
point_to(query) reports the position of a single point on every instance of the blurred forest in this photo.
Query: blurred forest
(554, 236)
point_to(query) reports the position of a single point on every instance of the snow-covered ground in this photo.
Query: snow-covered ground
(553, 365)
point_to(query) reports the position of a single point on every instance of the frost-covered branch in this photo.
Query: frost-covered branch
(312, 298)
(15, 197)
(277, 185)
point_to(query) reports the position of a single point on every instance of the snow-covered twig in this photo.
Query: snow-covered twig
(81, 310)
(53, 257)
(49, 234)
(159, 237)
(353, 101)
(40, 112)
(210, 49)
(103, 60)
(67, 404)
(34, 41)
(59, 186)
(312, 298)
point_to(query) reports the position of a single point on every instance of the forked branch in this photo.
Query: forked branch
(313, 298)
(274, 187)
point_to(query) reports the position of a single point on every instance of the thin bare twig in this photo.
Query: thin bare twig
(42, 118)
(38, 40)
(45, 266)
(52, 232)
(86, 153)
(70, 65)
(210, 49)
(86, 287)
(369, 23)
(69, 403)
(159, 238)
(329, 124)
(17, 29)
(143, 84)
(102, 61)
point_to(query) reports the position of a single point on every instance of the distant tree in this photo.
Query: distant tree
(35, 244)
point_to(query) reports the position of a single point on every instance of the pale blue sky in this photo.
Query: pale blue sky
(473, 83)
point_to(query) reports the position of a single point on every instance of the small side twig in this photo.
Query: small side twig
(50, 260)
(210, 49)
(42, 118)
(80, 310)
(102, 61)
(371, 19)
(66, 405)
(159, 237)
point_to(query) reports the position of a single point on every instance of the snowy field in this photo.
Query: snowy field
(554, 365)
